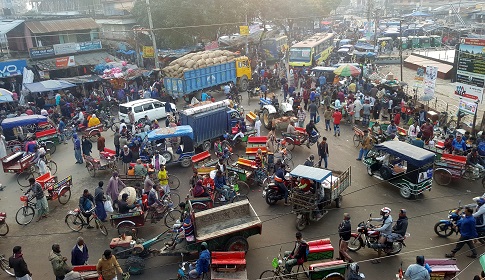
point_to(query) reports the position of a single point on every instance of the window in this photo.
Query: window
(300, 54)
(124, 110)
(158, 105)
(138, 109)
(147, 107)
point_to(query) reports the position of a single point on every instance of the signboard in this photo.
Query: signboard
(65, 48)
(419, 74)
(41, 52)
(430, 82)
(244, 30)
(89, 46)
(63, 62)
(467, 107)
(473, 93)
(148, 52)
(12, 68)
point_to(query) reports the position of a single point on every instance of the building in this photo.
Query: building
(116, 28)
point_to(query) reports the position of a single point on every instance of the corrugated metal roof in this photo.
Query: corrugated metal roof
(50, 26)
(80, 59)
(7, 25)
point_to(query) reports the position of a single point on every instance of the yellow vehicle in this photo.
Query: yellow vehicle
(312, 51)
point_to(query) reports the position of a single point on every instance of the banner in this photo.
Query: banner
(148, 52)
(467, 107)
(89, 46)
(244, 30)
(472, 93)
(419, 74)
(12, 68)
(41, 52)
(65, 48)
(63, 62)
(430, 82)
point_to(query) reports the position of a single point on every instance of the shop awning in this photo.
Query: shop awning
(62, 25)
(82, 79)
(48, 85)
(94, 58)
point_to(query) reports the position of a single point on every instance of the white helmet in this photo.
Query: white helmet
(287, 176)
(385, 211)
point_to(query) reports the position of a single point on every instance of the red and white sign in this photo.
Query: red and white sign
(469, 92)
(66, 61)
(474, 42)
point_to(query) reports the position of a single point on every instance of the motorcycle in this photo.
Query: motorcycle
(292, 140)
(445, 228)
(272, 194)
(365, 236)
(3, 224)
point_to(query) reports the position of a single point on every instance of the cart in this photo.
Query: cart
(441, 269)
(60, 190)
(452, 167)
(309, 206)
(106, 161)
(20, 164)
(88, 272)
(228, 266)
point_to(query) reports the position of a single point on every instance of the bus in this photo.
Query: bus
(274, 48)
(312, 51)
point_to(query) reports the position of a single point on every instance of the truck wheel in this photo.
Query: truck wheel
(237, 243)
(206, 146)
(135, 265)
(243, 84)
(267, 119)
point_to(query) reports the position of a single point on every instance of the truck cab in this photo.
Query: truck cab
(243, 72)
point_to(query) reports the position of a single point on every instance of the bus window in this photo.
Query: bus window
(300, 54)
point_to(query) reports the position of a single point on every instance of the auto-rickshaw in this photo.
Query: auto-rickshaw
(184, 148)
(414, 41)
(435, 41)
(17, 129)
(424, 42)
(403, 165)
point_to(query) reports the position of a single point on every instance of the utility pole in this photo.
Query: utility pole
(400, 46)
(247, 39)
(154, 41)
(375, 29)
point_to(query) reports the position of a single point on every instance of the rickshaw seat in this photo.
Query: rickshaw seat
(326, 264)
(300, 129)
(81, 268)
(118, 242)
(44, 179)
(251, 117)
(319, 246)
(246, 162)
(257, 139)
(440, 144)
(46, 132)
(454, 158)
(228, 258)
(254, 150)
(442, 265)
(201, 156)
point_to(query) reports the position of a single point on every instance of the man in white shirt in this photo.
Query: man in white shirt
(257, 126)
(414, 129)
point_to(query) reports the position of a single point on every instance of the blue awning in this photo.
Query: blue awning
(5, 96)
(312, 173)
(22, 121)
(168, 132)
(413, 155)
(48, 85)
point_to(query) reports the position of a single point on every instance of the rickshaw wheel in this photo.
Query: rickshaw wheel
(167, 156)
(52, 167)
(64, 195)
(23, 178)
(357, 140)
(243, 188)
(173, 182)
(91, 169)
(171, 217)
(270, 274)
(334, 276)
(186, 162)
(127, 229)
(237, 243)
(442, 177)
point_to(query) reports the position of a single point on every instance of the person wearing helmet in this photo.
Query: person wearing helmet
(385, 229)
(298, 255)
(479, 213)
(202, 265)
(310, 161)
(417, 271)
(354, 273)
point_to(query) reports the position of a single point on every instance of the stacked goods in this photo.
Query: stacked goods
(191, 61)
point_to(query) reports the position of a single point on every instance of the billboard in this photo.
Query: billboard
(470, 69)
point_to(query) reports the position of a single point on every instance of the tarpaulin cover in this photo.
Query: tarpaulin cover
(168, 132)
(22, 121)
(48, 85)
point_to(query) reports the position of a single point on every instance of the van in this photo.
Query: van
(153, 108)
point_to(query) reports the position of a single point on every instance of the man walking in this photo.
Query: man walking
(337, 117)
(301, 117)
(18, 264)
(312, 108)
(58, 262)
(344, 231)
(41, 200)
(366, 145)
(79, 254)
(101, 143)
(323, 152)
(327, 116)
(468, 232)
(77, 149)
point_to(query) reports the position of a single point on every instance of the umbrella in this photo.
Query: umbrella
(5, 96)
(347, 70)
(131, 194)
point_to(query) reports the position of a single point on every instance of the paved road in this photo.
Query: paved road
(366, 195)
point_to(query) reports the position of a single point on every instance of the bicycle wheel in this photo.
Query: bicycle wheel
(23, 178)
(175, 197)
(101, 227)
(269, 274)
(242, 188)
(5, 266)
(50, 146)
(25, 215)
(74, 222)
(52, 165)
(64, 196)
(173, 182)
(171, 217)
(4, 229)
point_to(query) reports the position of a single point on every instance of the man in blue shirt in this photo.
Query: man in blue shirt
(392, 128)
(220, 185)
(202, 264)
(322, 80)
(458, 144)
(468, 232)
(61, 127)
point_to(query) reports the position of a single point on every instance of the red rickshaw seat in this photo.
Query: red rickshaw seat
(46, 132)
(201, 156)
(228, 258)
(320, 246)
(257, 139)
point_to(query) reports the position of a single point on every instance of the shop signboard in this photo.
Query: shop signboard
(430, 82)
(12, 68)
(90, 46)
(40, 52)
(244, 30)
(466, 107)
(66, 61)
(65, 48)
(470, 68)
(148, 52)
(469, 92)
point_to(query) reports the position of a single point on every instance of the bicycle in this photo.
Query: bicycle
(278, 271)
(26, 213)
(33, 172)
(4, 265)
(75, 220)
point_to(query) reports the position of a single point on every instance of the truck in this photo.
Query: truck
(237, 71)
(209, 122)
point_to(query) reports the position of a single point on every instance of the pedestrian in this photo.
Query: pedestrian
(157, 161)
(312, 108)
(366, 145)
(99, 200)
(41, 200)
(77, 149)
(113, 187)
(101, 143)
(357, 107)
(108, 267)
(127, 157)
(116, 140)
(323, 152)
(344, 231)
(271, 143)
(376, 110)
(337, 117)
(163, 179)
(301, 117)
(61, 128)
(468, 232)
(257, 126)
(366, 108)
(417, 271)
(18, 264)
(86, 146)
(58, 262)
(79, 253)
(306, 97)
(327, 116)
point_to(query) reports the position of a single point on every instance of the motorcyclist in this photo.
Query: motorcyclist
(310, 161)
(279, 180)
(479, 213)
(385, 229)
(475, 161)
(310, 127)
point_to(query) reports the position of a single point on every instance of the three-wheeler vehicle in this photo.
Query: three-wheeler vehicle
(166, 137)
(403, 165)
(452, 167)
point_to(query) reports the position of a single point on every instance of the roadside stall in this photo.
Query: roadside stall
(50, 86)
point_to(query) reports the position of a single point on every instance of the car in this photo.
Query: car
(152, 108)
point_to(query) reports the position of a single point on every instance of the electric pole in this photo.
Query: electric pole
(154, 41)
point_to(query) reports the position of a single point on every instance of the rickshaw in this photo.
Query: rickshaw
(403, 165)
(326, 188)
(16, 129)
(185, 149)
(452, 167)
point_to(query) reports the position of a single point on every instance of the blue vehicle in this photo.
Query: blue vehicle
(274, 48)
(184, 152)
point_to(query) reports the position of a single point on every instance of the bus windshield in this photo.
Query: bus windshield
(300, 54)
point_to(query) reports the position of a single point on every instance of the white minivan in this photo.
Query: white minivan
(153, 108)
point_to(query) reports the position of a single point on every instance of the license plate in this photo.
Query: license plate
(264, 193)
